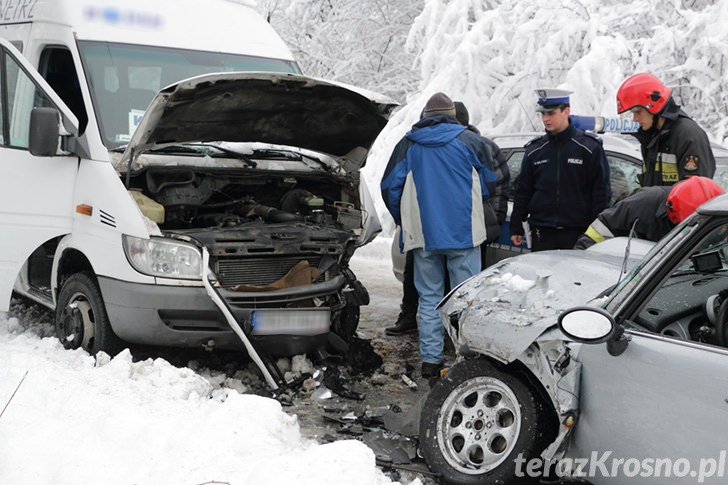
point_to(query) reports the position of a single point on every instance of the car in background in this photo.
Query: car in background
(568, 364)
(625, 162)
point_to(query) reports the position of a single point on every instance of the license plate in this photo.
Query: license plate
(291, 322)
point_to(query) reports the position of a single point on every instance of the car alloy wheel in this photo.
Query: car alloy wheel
(479, 419)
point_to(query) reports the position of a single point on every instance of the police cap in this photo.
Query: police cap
(551, 99)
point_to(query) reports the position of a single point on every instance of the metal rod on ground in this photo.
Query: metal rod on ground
(13, 394)
(231, 320)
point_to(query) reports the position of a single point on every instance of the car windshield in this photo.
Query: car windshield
(654, 259)
(679, 292)
(629, 281)
(124, 78)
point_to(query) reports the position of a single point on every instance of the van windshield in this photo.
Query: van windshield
(124, 78)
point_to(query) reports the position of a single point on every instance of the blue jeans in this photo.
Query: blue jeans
(430, 267)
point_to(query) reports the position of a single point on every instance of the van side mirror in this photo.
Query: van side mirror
(44, 132)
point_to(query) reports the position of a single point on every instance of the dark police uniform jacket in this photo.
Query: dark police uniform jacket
(678, 150)
(564, 181)
(644, 210)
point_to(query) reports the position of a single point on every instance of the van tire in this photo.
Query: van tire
(81, 319)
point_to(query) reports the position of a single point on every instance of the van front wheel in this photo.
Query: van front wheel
(81, 319)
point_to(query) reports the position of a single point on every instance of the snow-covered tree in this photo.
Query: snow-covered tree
(355, 41)
(493, 54)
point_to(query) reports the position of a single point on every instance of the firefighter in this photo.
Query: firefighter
(673, 145)
(651, 212)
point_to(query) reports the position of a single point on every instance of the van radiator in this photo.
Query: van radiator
(257, 271)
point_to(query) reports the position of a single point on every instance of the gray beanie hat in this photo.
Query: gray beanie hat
(461, 113)
(439, 103)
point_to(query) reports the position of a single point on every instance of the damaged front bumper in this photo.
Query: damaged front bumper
(510, 322)
(186, 316)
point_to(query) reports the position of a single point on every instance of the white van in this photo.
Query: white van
(256, 173)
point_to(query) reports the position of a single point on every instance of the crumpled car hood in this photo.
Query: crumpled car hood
(506, 307)
(274, 108)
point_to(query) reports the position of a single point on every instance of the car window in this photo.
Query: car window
(22, 96)
(623, 175)
(514, 159)
(688, 303)
(721, 171)
(57, 67)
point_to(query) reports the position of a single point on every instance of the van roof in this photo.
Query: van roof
(212, 25)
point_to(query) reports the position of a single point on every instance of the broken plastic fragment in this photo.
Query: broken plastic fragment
(410, 383)
(322, 393)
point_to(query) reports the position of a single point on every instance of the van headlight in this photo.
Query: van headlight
(165, 258)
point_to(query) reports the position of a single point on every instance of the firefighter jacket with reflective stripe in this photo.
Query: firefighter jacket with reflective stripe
(678, 150)
(644, 210)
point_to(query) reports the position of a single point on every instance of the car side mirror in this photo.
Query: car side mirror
(44, 132)
(591, 325)
(587, 325)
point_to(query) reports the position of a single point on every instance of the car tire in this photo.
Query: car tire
(81, 319)
(477, 420)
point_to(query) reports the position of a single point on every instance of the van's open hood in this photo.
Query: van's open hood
(281, 109)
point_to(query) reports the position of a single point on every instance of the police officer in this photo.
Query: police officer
(651, 212)
(673, 145)
(564, 179)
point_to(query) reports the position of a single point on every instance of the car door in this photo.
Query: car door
(665, 397)
(36, 193)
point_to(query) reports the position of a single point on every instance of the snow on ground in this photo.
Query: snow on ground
(70, 419)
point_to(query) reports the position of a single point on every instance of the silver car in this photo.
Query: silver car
(570, 366)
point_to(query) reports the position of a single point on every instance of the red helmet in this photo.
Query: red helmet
(686, 195)
(642, 90)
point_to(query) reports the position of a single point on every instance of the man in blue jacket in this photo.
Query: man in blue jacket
(434, 186)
